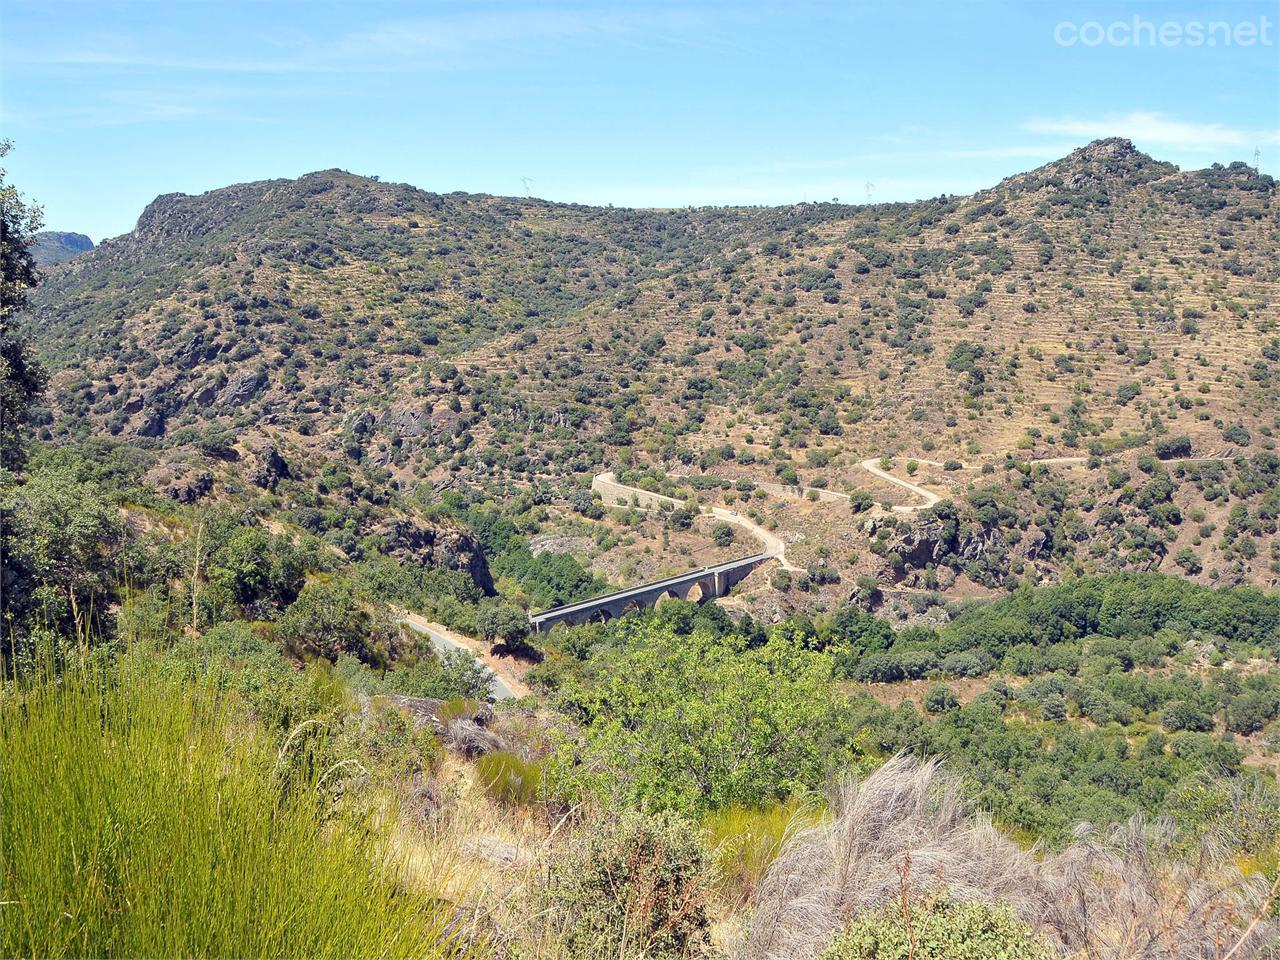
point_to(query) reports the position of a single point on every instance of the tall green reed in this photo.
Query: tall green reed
(145, 816)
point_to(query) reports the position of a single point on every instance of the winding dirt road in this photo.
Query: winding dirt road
(930, 498)
(614, 494)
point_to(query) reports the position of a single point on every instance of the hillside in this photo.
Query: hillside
(1094, 308)
(53, 246)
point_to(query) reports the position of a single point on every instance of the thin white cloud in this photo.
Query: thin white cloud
(446, 41)
(1156, 129)
(117, 108)
(121, 59)
(922, 154)
(518, 28)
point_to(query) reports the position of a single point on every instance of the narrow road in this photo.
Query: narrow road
(771, 542)
(504, 685)
(611, 491)
(930, 498)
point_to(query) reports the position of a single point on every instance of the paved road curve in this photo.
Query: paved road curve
(502, 688)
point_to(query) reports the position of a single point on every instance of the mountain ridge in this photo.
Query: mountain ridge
(1098, 304)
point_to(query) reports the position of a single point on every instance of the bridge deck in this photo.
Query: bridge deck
(644, 588)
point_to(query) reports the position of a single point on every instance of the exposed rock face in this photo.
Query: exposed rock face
(183, 482)
(205, 394)
(447, 547)
(925, 541)
(559, 543)
(267, 467)
(240, 390)
(358, 423)
(153, 424)
(195, 352)
(406, 422)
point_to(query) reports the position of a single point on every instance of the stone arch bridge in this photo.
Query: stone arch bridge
(699, 585)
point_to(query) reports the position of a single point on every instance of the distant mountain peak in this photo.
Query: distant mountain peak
(1110, 164)
(51, 247)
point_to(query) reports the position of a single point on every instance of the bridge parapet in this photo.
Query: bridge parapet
(711, 582)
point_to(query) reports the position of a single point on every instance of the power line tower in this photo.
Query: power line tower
(1257, 158)
(871, 189)
(526, 181)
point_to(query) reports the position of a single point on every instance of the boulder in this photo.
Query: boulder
(358, 422)
(240, 390)
(267, 467)
(405, 421)
(153, 424)
(183, 482)
(204, 395)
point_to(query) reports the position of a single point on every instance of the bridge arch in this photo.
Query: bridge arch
(697, 586)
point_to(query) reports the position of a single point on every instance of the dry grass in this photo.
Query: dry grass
(1127, 894)
(1119, 896)
(850, 864)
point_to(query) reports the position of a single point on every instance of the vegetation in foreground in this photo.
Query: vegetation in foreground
(148, 814)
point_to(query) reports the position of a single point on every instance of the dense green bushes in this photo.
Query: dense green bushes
(329, 618)
(939, 929)
(705, 721)
(1123, 606)
(710, 712)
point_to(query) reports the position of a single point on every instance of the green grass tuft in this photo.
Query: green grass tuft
(509, 779)
(746, 840)
(144, 817)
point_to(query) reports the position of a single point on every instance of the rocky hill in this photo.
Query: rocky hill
(53, 246)
(1098, 306)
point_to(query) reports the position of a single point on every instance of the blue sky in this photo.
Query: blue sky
(639, 104)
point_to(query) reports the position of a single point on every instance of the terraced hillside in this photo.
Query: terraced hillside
(1102, 307)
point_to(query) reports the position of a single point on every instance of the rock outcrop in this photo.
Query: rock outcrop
(436, 545)
(266, 466)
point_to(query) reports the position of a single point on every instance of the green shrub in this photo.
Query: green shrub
(388, 744)
(457, 708)
(703, 723)
(938, 929)
(329, 618)
(636, 883)
(941, 698)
